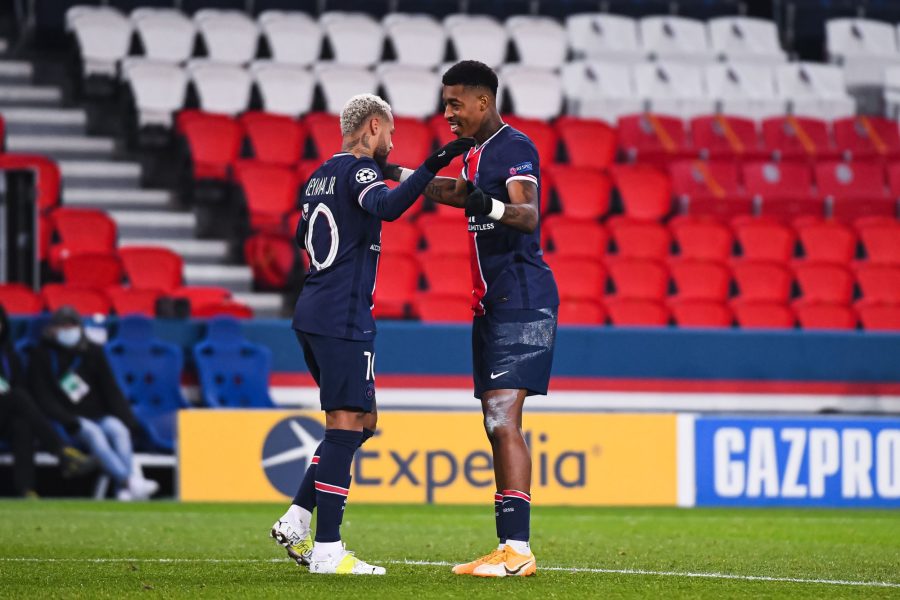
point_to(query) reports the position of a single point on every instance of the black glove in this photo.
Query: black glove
(442, 157)
(391, 171)
(477, 202)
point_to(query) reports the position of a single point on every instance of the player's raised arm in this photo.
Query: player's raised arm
(522, 211)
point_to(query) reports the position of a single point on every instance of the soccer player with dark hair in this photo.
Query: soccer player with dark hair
(344, 203)
(515, 299)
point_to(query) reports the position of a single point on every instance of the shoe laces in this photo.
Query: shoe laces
(495, 558)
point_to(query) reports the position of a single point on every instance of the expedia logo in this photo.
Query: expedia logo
(288, 451)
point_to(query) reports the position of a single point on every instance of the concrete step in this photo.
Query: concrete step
(44, 120)
(101, 173)
(62, 146)
(237, 278)
(157, 225)
(15, 70)
(193, 251)
(116, 198)
(29, 95)
(263, 305)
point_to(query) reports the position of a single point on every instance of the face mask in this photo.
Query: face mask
(68, 337)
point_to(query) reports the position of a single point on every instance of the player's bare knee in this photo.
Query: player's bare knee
(498, 415)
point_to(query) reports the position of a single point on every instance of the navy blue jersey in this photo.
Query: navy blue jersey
(508, 269)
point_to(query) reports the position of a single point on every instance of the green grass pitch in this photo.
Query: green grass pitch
(68, 549)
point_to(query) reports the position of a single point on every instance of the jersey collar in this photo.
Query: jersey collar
(480, 146)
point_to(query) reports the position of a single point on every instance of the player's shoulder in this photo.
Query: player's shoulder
(363, 169)
(513, 138)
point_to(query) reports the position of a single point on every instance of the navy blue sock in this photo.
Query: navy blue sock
(333, 481)
(516, 515)
(498, 516)
(306, 493)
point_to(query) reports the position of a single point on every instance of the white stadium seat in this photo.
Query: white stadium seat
(230, 36)
(605, 37)
(221, 87)
(356, 38)
(864, 49)
(166, 35)
(892, 92)
(104, 38)
(159, 89)
(744, 90)
(294, 37)
(340, 82)
(80, 10)
(540, 41)
(535, 93)
(675, 39)
(477, 37)
(746, 39)
(418, 40)
(600, 90)
(673, 88)
(285, 89)
(814, 90)
(411, 91)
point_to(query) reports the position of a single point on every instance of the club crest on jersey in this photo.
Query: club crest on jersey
(366, 175)
(521, 168)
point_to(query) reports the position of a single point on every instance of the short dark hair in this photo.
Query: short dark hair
(471, 73)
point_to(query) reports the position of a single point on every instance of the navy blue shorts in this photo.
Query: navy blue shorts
(343, 369)
(512, 349)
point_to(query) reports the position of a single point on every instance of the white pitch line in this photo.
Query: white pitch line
(425, 563)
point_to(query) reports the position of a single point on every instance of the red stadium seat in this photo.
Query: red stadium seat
(19, 299)
(152, 268)
(214, 142)
(541, 134)
(219, 309)
(202, 295)
(762, 315)
(883, 317)
(80, 231)
(700, 280)
(274, 258)
(275, 139)
(783, 189)
(649, 138)
(588, 142)
(92, 270)
(709, 188)
(47, 175)
(398, 280)
(578, 279)
(893, 174)
(400, 237)
(270, 192)
(441, 308)
(445, 235)
(325, 131)
(575, 238)
(827, 241)
(792, 137)
(85, 301)
(824, 282)
(640, 239)
(822, 315)
(646, 191)
(865, 136)
(700, 313)
(128, 301)
(879, 283)
(761, 239)
(702, 238)
(582, 312)
(856, 190)
(882, 242)
(631, 312)
(306, 168)
(638, 278)
(448, 274)
(762, 281)
(723, 136)
(583, 193)
(413, 141)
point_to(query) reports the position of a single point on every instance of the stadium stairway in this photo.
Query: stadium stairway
(97, 174)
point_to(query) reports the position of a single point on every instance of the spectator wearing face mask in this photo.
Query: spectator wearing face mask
(22, 422)
(72, 380)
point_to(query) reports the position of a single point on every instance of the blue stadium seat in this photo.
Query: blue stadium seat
(233, 372)
(33, 330)
(149, 372)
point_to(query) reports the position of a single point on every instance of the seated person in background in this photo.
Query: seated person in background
(22, 423)
(72, 380)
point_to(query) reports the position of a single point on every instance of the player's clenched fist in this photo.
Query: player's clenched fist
(442, 157)
(480, 204)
